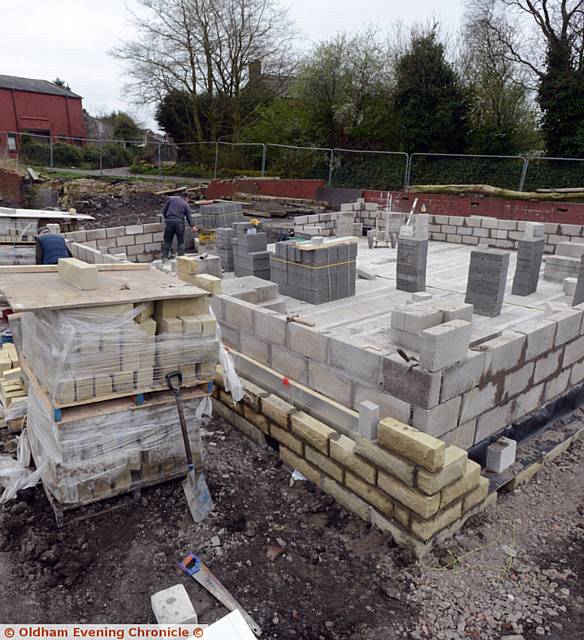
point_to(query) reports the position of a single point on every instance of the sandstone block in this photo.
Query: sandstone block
(313, 432)
(419, 448)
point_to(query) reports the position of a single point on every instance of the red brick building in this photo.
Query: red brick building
(39, 107)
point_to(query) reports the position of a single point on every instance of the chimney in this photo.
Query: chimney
(255, 71)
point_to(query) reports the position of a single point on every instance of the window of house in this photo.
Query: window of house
(11, 142)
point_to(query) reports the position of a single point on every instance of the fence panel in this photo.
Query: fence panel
(384, 170)
(554, 173)
(239, 159)
(441, 168)
(193, 159)
(287, 161)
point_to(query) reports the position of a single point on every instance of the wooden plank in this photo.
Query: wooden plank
(44, 290)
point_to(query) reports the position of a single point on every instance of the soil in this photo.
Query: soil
(302, 566)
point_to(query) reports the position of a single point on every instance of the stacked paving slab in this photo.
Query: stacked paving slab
(412, 255)
(529, 259)
(315, 272)
(487, 279)
(250, 254)
(218, 214)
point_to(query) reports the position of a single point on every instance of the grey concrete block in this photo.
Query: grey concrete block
(238, 313)
(556, 386)
(325, 381)
(464, 375)
(369, 415)
(289, 364)
(254, 348)
(439, 420)
(389, 406)
(569, 322)
(444, 345)
(548, 365)
(493, 421)
(410, 383)
(504, 352)
(270, 326)
(539, 335)
(477, 401)
(308, 342)
(517, 382)
(463, 436)
(355, 361)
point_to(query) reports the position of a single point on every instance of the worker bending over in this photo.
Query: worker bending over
(175, 211)
(50, 247)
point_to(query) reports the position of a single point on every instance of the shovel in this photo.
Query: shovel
(194, 485)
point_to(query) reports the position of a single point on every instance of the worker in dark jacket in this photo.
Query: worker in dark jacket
(175, 211)
(50, 247)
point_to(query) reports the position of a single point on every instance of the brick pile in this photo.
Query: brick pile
(250, 253)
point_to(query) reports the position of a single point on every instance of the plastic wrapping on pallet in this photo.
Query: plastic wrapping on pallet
(92, 353)
(16, 474)
(98, 453)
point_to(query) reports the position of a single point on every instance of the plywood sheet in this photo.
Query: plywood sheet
(42, 214)
(42, 291)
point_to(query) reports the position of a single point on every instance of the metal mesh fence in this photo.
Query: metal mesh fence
(298, 162)
(237, 159)
(435, 168)
(554, 173)
(369, 169)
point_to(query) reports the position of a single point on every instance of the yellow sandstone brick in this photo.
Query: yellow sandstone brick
(469, 481)
(84, 388)
(287, 439)
(371, 495)
(425, 506)
(79, 274)
(415, 446)
(209, 283)
(301, 465)
(454, 467)
(426, 529)
(170, 326)
(186, 264)
(191, 326)
(277, 410)
(148, 326)
(227, 400)
(345, 498)
(324, 463)
(312, 431)
(257, 419)
(146, 313)
(474, 498)
(175, 307)
(402, 515)
(387, 461)
(342, 450)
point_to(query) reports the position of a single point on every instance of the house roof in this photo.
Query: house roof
(35, 86)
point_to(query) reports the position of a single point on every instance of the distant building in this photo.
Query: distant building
(38, 107)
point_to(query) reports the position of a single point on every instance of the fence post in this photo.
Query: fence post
(408, 170)
(523, 173)
(159, 162)
(51, 156)
(331, 163)
(264, 154)
(100, 158)
(216, 159)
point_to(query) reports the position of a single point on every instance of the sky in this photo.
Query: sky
(70, 39)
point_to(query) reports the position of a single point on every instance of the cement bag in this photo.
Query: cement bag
(15, 474)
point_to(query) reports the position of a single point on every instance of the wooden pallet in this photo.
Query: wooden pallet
(118, 499)
(159, 394)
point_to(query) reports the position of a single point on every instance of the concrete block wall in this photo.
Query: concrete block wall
(502, 234)
(463, 402)
(404, 482)
(139, 242)
(325, 223)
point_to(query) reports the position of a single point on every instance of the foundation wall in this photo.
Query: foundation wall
(139, 242)
(405, 482)
(492, 385)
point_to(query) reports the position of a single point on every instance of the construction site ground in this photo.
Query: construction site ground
(302, 566)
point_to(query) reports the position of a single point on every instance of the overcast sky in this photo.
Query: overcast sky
(70, 39)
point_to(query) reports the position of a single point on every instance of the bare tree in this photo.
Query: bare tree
(204, 48)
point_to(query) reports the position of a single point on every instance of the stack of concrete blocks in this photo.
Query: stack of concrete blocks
(250, 253)
(98, 455)
(364, 213)
(218, 214)
(16, 255)
(138, 242)
(529, 259)
(393, 476)
(412, 255)
(224, 246)
(15, 230)
(565, 263)
(498, 382)
(317, 272)
(487, 279)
